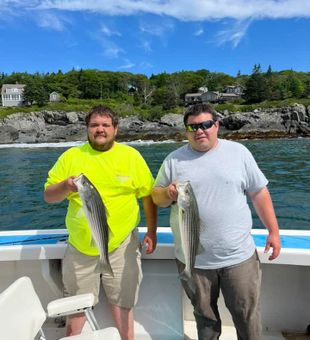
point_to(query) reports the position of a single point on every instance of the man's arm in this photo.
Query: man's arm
(59, 191)
(263, 205)
(150, 212)
(165, 196)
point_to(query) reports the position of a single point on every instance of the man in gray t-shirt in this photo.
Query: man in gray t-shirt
(222, 174)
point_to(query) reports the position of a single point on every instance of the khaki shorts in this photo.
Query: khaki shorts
(79, 277)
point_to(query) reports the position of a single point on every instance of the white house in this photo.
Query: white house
(12, 94)
(236, 89)
(210, 96)
(54, 97)
(194, 98)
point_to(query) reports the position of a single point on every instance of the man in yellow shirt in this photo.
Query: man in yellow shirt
(121, 177)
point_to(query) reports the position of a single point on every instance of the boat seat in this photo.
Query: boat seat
(22, 314)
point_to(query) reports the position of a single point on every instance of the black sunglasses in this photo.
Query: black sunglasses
(203, 125)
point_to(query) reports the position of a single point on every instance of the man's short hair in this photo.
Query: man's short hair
(197, 109)
(102, 111)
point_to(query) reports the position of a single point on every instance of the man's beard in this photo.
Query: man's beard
(101, 147)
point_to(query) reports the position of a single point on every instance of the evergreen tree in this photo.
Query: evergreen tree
(256, 87)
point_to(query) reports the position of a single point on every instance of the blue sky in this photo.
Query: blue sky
(154, 36)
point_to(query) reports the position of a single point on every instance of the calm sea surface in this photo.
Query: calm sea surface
(23, 171)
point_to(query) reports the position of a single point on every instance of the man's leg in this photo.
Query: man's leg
(79, 277)
(123, 318)
(123, 287)
(75, 324)
(204, 301)
(240, 286)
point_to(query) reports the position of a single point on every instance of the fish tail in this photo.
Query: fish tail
(102, 267)
(186, 276)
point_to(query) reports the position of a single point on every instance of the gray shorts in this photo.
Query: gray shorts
(122, 289)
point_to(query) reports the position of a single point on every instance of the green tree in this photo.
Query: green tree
(164, 97)
(145, 89)
(34, 92)
(256, 87)
(295, 86)
(184, 82)
(307, 89)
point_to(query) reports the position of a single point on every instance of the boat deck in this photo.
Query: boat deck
(163, 311)
(228, 333)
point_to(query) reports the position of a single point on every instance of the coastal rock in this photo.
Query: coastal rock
(169, 127)
(291, 121)
(173, 120)
(61, 126)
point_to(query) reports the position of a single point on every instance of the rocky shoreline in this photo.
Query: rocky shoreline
(60, 126)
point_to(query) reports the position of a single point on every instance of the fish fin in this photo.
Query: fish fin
(104, 268)
(111, 234)
(200, 249)
(93, 243)
(185, 276)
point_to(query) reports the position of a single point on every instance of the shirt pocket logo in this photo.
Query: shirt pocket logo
(122, 178)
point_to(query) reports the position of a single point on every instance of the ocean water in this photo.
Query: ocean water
(23, 171)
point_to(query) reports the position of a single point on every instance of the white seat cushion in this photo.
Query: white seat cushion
(109, 333)
(70, 304)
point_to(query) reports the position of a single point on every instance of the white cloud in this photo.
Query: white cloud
(155, 28)
(199, 32)
(51, 21)
(197, 10)
(234, 34)
(146, 45)
(8, 10)
(108, 32)
(146, 65)
(103, 37)
(158, 29)
(127, 65)
(110, 49)
(160, 24)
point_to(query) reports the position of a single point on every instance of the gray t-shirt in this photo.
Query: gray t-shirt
(220, 179)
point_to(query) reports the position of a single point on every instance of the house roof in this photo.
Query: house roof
(193, 94)
(233, 86)
(211, 92)
(6, 87)
(229, 95)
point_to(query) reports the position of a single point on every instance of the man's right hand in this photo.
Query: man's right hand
(172, 192)
(59, 191)
(70, 184)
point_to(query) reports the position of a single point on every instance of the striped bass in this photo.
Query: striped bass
(189, 224)
(95, 212)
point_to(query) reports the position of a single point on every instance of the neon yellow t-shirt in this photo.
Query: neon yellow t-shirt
(121, 176)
